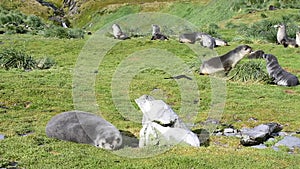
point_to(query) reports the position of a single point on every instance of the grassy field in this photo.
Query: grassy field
(29, 99)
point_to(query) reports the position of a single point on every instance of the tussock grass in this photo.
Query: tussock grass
(15, 58)
(250, 71)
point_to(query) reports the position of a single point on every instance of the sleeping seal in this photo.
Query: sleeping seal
(280, 76)
(226, 61)
(118, 34)
(190, 37)
(207, 41)
(156, 34)
(82, 127)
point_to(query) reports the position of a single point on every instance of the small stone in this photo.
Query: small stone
(289, 141)
(2, 137)
(229, 130)
(260, 146)
(219, 134)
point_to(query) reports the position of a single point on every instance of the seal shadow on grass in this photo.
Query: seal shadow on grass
(129, 139)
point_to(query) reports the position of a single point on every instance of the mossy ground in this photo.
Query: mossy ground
(29, 99)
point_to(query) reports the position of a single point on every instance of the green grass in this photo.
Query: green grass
(28, 100)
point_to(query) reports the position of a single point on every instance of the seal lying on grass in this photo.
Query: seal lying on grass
(190, 37)
(281, 77)
(207, 41)
(225, 62)
(82, 127)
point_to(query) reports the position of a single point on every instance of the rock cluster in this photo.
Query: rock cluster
(161, 125)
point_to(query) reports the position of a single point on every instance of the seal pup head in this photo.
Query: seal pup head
(256, 54)
(243, 50)
(155, 29)
(111, 140)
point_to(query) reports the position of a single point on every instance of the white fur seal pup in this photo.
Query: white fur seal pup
(118, 34)
(281, 77)
(190, 37)
(156, 34)
(207, 41)
(82, 127)
(225, 62)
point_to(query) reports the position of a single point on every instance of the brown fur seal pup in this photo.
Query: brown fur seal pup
(258, 54)
(225, 62)
(156, 34)
(280, 76)
(207, 41)
(82, 127)
(118, 34)
(190, 37)
(282, 37)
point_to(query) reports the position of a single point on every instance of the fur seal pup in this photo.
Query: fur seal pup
(83, 127)
(282, 37)
(225, 62)
(220, 42)
(118, 34)
(281, 33)
(280, 76)
(258, 54)
(156, 34)
(207, 41)
(298, 38)
(190, 37)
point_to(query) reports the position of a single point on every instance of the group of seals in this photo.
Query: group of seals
(282, 37)
(205, 39)
(276, 72)
(83, 127)
(225, 62)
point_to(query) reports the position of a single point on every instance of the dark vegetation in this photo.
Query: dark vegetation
(15, 22)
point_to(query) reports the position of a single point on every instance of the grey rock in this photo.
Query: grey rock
(259, 134)
(228, 130)
(2, 137)
(260, 146)
(161, 125)
(219, 134)
(230, 134)
(289, 141)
